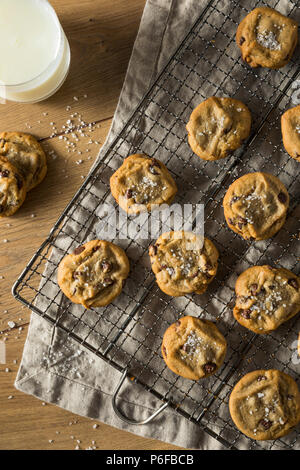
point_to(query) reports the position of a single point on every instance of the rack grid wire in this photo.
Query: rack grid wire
(128, 333)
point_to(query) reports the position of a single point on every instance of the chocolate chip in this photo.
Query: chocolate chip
(207, 275)
(106, 266)
(262, 290)
(293, 283)
(152, 170)
(227, 129)
(152, 250)
(253, 289)
(196, 274)
(208, 267)
(128, 194)
(230, 221)
(75, 275)
(78, 250)
(265, 423)
(19, 181)
(108, 281)
(4, 174)
(261, 377)
(246, 314)
(282, 197)
(209, 367)
(155, 162)
(242, 40)
(96, 248)
(178, 323)
(186, 348)
(241, 222)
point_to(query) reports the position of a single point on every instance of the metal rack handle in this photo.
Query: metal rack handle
(120, 413)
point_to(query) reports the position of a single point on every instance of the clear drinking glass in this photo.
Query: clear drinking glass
(46, 83)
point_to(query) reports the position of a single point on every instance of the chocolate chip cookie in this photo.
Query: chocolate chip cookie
(217, 127)
(265, 404)
(267, 38)
(12, 188)
(255, 206)
(266, 298)
(142, 183)
(290, 128)
(93, 275)
(183, 263)
(26, 154)
(193, 348)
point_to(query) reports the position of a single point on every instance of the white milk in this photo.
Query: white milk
(34, 51)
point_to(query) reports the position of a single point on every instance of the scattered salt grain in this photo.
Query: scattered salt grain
(268, 40)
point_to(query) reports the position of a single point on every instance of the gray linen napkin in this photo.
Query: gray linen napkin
(57, 370)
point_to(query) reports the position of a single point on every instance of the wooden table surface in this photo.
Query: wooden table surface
(101, 35)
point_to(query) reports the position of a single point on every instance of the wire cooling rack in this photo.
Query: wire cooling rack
(128, 333)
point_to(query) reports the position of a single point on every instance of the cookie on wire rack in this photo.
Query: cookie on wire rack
(141, 184)
(218, 126)
(255, 205)
(266, 298)
(183, 262)
(193, 348)
(94, 274)
(290, 129)
(267, 38)
(265, 404)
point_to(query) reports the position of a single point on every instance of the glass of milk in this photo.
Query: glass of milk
(34, 51)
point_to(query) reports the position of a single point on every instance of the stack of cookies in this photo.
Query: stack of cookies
(23, 166)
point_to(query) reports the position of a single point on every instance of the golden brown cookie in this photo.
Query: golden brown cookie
(26, 154)
(183, 263)
(12, 188)
(265, 404)
(218, 126)
(267, 38)
(290, 128)
(193, 348)
(266, 298)
(142, 182)
(255, 205)
(93, 275)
